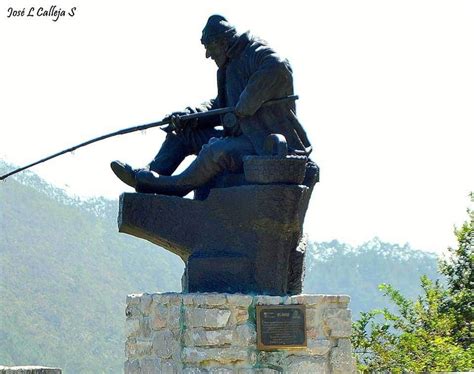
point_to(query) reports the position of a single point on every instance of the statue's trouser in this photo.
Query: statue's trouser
(177, 147)
(215, 156)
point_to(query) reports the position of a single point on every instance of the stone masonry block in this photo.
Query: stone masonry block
(167, 298)
(30, 369)
(210, 299)
(131, 367)
(268, 300)
(133, 311)
(132, 327)
(316, 300)
(216, 370)
(145, 329)
(338, 322)
(165, 344)
(315, 347)
(205, 299)
(188, 300)
(150, 366)
(286, 300)
(170, 367)
(138, 305)
(341, 358)
(308, 300)
(274, 359)
(306, 365)
(258, 371)
(315, 326)
(313, 318)
(343, 300)
(136, 348)
(165, 316)
(227, 356)
(239, 300)
(204, 338)
(194, 370)
(238, 316)
(145, 303)
(244, 336)
(134, 299)
(208, 318)
(221, 371)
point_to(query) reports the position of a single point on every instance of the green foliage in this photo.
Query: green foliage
(459, 271)
(430, 334)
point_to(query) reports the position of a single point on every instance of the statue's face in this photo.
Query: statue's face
(216, 50)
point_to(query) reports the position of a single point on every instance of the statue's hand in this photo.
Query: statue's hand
(175, 120)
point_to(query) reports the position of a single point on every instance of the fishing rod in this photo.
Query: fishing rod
(168, 124)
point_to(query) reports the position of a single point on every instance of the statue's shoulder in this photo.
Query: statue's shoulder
(256, 42)
(248, 44)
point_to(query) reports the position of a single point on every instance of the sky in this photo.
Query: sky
(386, 95)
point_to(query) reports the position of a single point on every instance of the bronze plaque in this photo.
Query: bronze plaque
(281, 326)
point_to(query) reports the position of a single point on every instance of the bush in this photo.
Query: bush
(433, 333)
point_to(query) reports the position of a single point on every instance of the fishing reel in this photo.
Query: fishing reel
(229, 120)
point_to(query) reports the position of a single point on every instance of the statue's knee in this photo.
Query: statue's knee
(215, 152)
(220, 155)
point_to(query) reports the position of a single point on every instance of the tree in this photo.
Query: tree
(459, 271)
(433, 333)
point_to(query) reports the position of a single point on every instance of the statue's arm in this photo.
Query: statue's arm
(271, 78)
(204, 107)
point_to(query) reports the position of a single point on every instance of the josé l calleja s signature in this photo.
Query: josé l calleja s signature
(53, 12)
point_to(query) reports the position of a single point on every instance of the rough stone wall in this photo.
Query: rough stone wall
(216, 333)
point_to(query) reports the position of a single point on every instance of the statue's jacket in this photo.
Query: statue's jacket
(253, 75)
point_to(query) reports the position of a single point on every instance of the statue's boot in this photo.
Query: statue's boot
(124, 172)
(197, 174)
(171, 154)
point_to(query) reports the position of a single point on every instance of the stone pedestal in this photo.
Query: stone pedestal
(216, 333)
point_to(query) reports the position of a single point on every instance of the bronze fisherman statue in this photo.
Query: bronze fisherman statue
(249, 74)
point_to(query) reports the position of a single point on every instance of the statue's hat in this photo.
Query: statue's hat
(216, 26)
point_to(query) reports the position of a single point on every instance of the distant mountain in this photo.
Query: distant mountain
(65, 272)
(334, 267)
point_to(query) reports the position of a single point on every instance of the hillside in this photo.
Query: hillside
(334, 267)
(65, 272)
